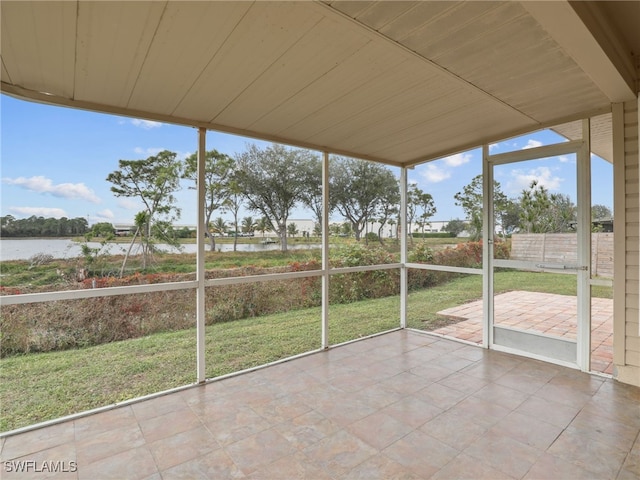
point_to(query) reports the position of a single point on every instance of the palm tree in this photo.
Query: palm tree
(249, 225)
(292, 229)
(263, 225)
(219, 226)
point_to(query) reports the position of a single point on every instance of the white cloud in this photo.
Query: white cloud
(146, 124)
(128, 204)
(435, 174)
(40, 184)
(182, 155)
(493, 146)
(105, 214)
(156, 150)
(148, 151)
(457, 159)
(532, 144)
(565, 159)
(521, 180)
(39, 211)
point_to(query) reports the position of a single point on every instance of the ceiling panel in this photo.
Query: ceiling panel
(601, 143)
(38, 46)
(383, 12)
(112, 42)
(182, 48)
(372, 103)
(415, 18)
(369, 64)
(265, 33)
(389, 81)
(320, 50)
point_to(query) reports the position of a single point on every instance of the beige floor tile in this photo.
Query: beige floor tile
(454, 430)
(422, 454)
(169, 424)
(181, 447)
(379, 430)
(307, 429)
(213, 465)
(36, 440)
(504, 453)
(464, 467)
(599, 458)
(134, 464)
(258, 450)
(389, 407)
(381, 467)
(109, 443)
(339, 453)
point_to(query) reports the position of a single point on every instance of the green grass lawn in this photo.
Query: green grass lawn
(43, 386)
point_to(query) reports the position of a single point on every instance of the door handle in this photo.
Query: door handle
(561, 267)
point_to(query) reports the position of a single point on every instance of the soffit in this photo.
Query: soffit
(398, 82)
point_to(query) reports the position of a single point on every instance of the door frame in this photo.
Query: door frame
(582, 150)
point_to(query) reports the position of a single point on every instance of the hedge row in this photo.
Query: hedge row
(65, 324)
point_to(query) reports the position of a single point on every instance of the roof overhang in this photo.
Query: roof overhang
(397, 82)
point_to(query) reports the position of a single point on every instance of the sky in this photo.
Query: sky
(55, 160)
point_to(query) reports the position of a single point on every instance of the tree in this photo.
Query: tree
(359, 189)
(510, 217)
(153, 181)
(600, 212)
(8, 226)
(218, 171)
(471, 198)
(312, 196)
(274, 180)
(233, 205)
(424, 206)
(43, 227)
(386, 215)
(455, 227)
(544, 212)
(218, 226)
(292, 229)
(345, 229)
(249, 225)
(263, 226)
(412, 208)
(103, 229)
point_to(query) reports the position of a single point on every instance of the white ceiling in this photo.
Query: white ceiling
(399, 82)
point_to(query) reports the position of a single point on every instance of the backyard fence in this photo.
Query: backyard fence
(563, 248)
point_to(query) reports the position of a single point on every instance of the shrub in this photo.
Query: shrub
(40, 259)
(64, 324)
(433, 235)
(371, 237)
(352, 287)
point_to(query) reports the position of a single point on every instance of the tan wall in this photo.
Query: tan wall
(627, 259)
(563, 248)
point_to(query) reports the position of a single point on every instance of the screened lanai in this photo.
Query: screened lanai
(396, 83)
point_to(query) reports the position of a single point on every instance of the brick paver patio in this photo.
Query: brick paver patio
(546, 313)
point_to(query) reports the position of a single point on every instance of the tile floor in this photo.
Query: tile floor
(547, 313)
(403, 405)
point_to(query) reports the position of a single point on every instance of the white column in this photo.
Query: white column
(200, 272)
(584, 249)
(403, 248)
(487, 249)
(325, 250)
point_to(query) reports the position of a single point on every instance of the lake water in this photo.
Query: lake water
(23, 249)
